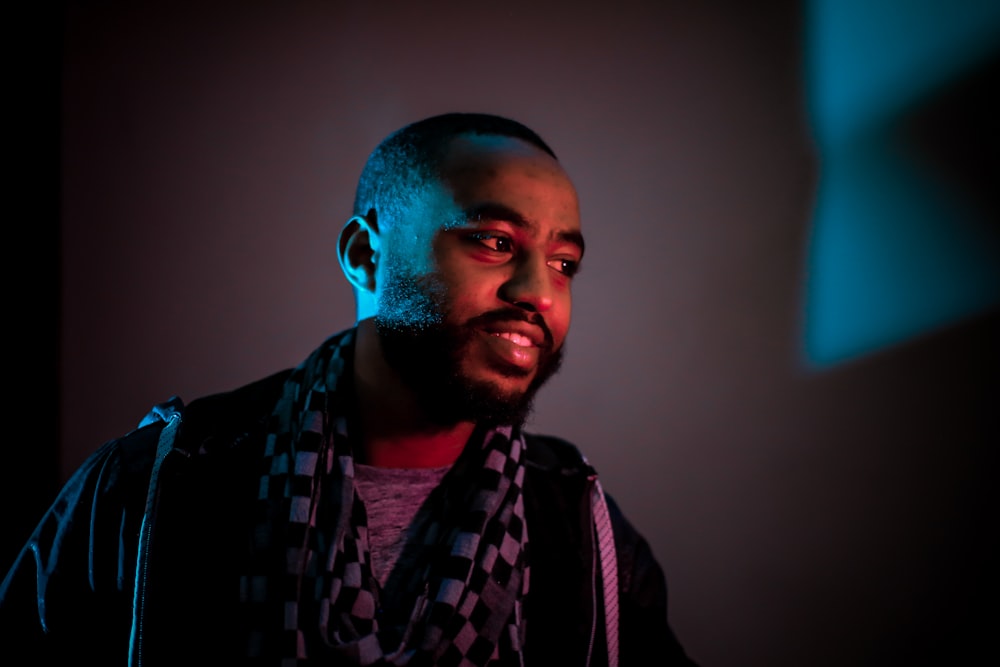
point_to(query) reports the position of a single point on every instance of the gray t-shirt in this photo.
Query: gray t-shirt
(392, 497)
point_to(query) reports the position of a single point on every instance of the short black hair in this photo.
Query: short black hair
(411, 155)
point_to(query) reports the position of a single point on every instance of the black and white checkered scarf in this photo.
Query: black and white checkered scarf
(311, 575)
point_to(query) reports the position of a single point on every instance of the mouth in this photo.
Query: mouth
(515, 338)
(516, 349)
(521, 334)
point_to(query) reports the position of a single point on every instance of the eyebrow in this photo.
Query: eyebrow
(493, 211)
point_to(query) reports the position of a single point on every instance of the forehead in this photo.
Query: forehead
(479, 171)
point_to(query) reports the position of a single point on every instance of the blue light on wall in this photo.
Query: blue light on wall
(905, 232)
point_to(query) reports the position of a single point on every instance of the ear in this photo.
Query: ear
(358, 251)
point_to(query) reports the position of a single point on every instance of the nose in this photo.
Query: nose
(529, 287)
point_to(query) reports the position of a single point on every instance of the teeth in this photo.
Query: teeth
(515, 338)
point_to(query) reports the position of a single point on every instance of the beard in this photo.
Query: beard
(427, 354)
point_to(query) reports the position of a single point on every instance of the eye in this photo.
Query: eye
(494, 242)
(567, 267)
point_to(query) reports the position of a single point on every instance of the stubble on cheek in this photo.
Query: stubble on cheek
(410, 302)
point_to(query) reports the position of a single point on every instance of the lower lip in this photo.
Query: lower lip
(524, 358)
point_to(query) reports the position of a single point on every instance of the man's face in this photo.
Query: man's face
(473, 286)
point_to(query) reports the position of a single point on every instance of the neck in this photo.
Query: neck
(395, 432)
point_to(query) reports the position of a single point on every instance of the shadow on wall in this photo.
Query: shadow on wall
(906, 228)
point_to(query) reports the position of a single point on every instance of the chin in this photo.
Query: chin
(453, 380)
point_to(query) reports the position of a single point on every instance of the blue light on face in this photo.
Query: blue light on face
(899, 246)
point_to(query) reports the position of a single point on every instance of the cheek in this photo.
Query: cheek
(559, 321)
(407, 298)
(465, 300)
(467, 288)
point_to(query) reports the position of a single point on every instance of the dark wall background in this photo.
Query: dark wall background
(804, 516)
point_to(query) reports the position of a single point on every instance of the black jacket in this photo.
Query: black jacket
(71, 593)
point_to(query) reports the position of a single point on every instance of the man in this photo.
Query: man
(378, 504)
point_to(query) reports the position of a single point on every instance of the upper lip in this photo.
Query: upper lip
(530, 331)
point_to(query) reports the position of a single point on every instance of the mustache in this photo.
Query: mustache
(501, 315)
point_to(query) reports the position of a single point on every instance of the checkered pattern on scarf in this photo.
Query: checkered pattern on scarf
(310, 592)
